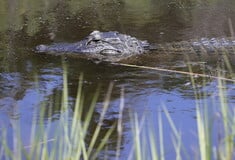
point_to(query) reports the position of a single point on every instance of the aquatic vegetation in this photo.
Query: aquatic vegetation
(66, 140)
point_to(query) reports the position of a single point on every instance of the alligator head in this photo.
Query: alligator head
(108, 46)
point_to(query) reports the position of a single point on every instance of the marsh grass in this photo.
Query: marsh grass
(212, 121)
(69, 139)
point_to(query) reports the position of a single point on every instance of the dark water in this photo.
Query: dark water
(28, 81)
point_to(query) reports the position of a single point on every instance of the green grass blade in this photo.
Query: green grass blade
(98, 127)
(162, 153)
(152, 141)
(119, 126)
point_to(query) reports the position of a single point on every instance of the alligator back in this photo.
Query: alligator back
(201, 46)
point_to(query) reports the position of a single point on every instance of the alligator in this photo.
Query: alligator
(113, 46)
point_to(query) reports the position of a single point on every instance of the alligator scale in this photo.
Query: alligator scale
(113, 46)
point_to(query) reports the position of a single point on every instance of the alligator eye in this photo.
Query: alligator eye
(41, 48)
(108, 52)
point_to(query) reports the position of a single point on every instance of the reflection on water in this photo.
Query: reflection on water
(28, 81)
